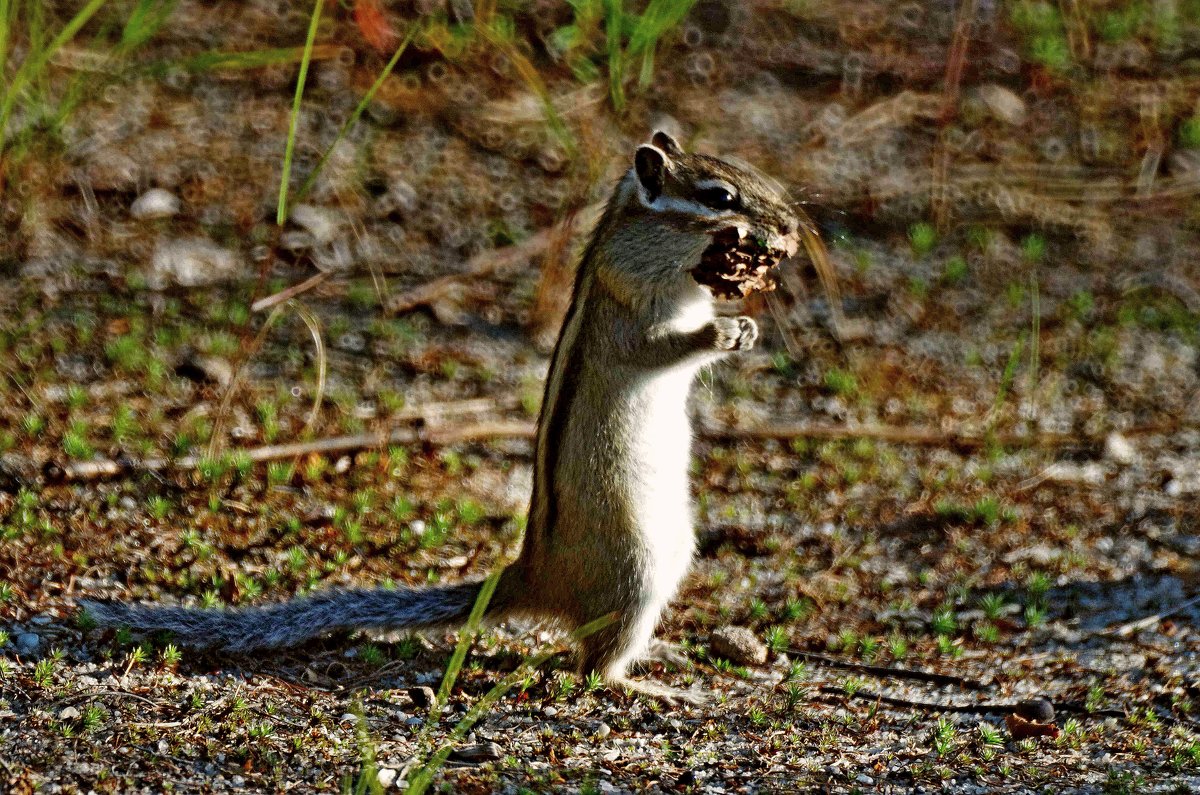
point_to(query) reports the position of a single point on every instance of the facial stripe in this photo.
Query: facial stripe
(680, 206)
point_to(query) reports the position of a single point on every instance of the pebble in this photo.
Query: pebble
(193, 262)
(68, 713)
(28, 642)
(738, 645)
(421, 696)
(1005, 104)
(320, 222)
(483, 752)
(386, 776)
(550, 712)
(864, 779)
(155, 203)
(238, 781)
(603, 730)
(1117, 448)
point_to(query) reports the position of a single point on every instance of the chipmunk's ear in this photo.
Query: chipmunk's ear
(651, 165)
(666, 143)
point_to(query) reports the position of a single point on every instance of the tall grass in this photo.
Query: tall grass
(281, 210)
(420, 779)
(32, 68)
(357, 113)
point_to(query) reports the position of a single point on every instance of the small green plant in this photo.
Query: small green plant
(592, 682)
(955, 270)
(1035, 615)
(279, 473)
(943, 621)
(91, 719)
(841, 382)
(171, 656)
(76, 445)
(32, 425)
(777, 639)
(43, 672)
(372, 655)
(1033, 248)
(922, 237)
(158, 506)
(992, 605)
(1046, 38)
(1189, 132)
(987, 632)
(943, 736)
(990, 736)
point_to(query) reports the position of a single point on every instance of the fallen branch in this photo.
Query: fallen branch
(488, 262)
(482, 431)
(887, 672)
(519, 429)
(1125, 630)
(925, 437)
(984, 708)
(290, 292)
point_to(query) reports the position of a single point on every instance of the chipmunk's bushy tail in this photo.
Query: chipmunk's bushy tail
(297, 620)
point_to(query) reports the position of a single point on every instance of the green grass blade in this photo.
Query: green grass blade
(420, 779)
(252, 59)
(659, 17)
(466, 637)
(616, 66)
(37, 59)
(6, 21)
(146, 19)
(282, 209)
(358, 112)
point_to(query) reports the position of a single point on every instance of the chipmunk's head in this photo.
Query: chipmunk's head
(747, 222)
(709, 193)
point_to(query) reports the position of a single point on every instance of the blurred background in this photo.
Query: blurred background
(218, 238)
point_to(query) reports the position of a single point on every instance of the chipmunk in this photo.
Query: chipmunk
(609, 529)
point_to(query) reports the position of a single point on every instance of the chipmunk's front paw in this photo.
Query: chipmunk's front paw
(735, 333)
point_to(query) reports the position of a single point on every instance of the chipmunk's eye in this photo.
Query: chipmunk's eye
(717, 198)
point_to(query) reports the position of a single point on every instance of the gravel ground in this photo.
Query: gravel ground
(973, 507)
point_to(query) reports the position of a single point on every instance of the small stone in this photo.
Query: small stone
(550, 712)
(603, 730)
(42, 620)
(348, 717)
(421, 696)
(68, 713)
(238, 781)
(864, 779)
(1038, 709)
(1004, 103)
(1117, 448)
(738, 645)
(484, 752)
(386, 776)
(27, 643)
(194, 262)
(320, 222)
(155, 203)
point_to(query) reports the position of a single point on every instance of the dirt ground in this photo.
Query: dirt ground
(971, 503)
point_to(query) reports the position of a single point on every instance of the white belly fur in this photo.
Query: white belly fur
(662, 441)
